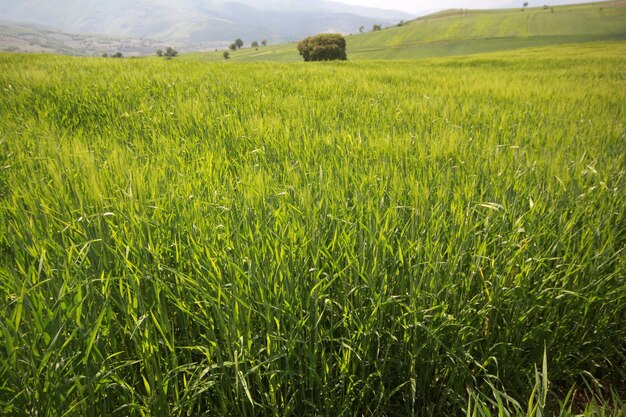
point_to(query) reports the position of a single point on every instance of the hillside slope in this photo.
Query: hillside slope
(456, 32)
(42, 39)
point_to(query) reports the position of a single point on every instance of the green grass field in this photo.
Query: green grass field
(432, 237)
(459, 32)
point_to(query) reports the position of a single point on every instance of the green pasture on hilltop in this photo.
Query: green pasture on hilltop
(463, 32)
(375, 238)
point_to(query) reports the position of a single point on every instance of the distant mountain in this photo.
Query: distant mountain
(327, 6)
(198, 22)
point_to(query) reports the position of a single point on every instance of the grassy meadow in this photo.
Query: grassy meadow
(463, 32)
(435, 237)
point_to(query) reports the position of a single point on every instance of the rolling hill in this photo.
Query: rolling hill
(460, 32)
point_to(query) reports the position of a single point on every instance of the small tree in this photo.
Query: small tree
(233, 46)
(264, 42)
(226, 54)
(239, 43)
(254, 44)
(376, 28)
(117, 55)
(105, 55)
(159, 52)
(361, 29)
(324, 47)
(171, 52)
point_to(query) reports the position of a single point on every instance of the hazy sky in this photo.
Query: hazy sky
(415, 6)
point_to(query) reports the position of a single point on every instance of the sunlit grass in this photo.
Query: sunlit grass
(383, 238)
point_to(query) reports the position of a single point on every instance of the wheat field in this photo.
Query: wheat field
(438, 237)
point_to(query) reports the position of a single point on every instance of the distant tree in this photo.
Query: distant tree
(361, 29)
(233, 46)
(226, 55)
(117, 55)
(159, 52)
(324, 47)
(376, 28)
(171, 52)
(105, 55)
(401, 23)
(254, 44)
(238, 42)
(264, 42)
